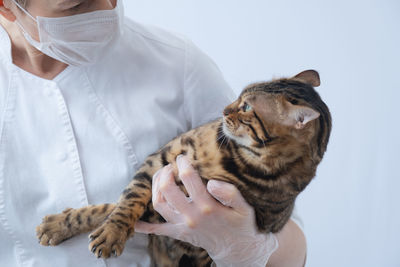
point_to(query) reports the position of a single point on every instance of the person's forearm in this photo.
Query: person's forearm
(292, 247)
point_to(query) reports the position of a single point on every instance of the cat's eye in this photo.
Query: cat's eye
(246, 107)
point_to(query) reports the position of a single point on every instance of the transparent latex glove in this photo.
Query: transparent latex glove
(226, 231)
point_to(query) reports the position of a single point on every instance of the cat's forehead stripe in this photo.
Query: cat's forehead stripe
(291, 88)
(270, 87)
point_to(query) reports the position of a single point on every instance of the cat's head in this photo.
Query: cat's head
(282, 116)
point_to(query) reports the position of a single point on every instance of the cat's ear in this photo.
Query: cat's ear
(299, 116)
(310, 77)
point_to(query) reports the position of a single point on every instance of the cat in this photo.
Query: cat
(268, 144)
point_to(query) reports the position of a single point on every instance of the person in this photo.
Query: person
(85, 95)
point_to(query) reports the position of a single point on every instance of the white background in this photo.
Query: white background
(351, 209)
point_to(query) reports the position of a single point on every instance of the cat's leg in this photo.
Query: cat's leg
(202, 259)
(273, 218)
(56, 228)
(110, 237)
(165, 252)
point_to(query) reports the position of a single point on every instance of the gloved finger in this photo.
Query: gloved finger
(169, 213)
(143, 227)
(154, 228)
(228, 195)
(176, 231)
(191, 180)
(156, 196)
(171, 192)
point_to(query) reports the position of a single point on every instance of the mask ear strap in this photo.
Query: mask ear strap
(23, 9)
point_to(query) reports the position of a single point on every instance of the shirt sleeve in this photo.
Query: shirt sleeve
(297, 219)
(206, 93)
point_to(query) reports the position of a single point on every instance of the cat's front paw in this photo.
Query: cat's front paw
(108, 240)
(54, 229)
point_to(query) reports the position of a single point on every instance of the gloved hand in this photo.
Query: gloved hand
(226, 231)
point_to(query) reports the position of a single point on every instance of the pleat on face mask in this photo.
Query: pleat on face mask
(77, 40)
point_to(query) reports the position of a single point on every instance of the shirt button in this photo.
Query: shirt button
(62, 156)
(48, 91)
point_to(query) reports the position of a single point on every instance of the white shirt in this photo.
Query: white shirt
(78, 139)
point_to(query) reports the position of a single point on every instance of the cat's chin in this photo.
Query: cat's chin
(240, 140)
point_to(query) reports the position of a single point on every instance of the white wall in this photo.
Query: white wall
(350, 210)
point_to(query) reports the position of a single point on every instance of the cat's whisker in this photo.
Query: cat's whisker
(221, 136)
(223, 139)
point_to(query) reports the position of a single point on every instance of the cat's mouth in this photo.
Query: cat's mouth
(226, 130)
(229, 129)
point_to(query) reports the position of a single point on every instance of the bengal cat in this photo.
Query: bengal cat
(268, 144)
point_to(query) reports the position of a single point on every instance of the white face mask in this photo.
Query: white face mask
(77, 40)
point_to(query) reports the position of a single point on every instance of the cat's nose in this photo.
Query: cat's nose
(227, 111)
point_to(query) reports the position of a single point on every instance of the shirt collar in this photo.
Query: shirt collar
(5, 46)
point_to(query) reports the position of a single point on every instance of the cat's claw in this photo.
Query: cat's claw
(107, 240)
(53, 230)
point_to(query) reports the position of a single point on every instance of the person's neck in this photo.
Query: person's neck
(29, 58)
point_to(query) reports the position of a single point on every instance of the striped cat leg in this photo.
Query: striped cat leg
(56, 228)
(110, 238)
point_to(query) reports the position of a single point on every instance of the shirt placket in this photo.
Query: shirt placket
(74, 188)
(72, 152)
